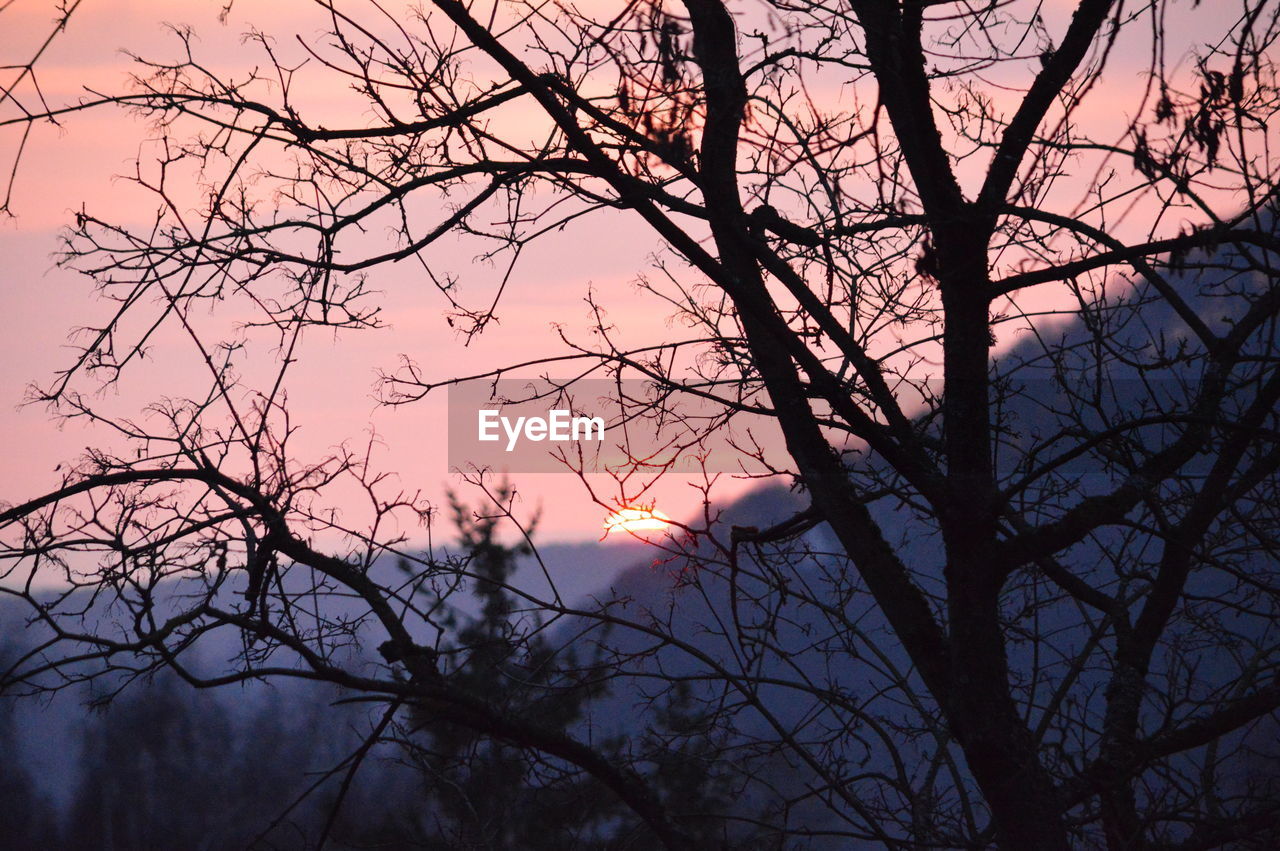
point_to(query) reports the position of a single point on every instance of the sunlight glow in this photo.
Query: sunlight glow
(636, 520)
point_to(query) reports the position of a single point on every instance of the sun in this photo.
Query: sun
(636, 521)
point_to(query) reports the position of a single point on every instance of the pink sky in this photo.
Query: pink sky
(331, 390)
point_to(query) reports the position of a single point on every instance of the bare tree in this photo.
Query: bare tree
(20, 91)
(1045, 610)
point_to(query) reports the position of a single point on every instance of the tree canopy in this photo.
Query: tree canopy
(1002, 275)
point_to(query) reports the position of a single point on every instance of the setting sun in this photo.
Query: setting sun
(635, 520)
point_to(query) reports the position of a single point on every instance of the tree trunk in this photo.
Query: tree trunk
(999, 748)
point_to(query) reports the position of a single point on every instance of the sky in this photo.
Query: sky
(331, 390)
